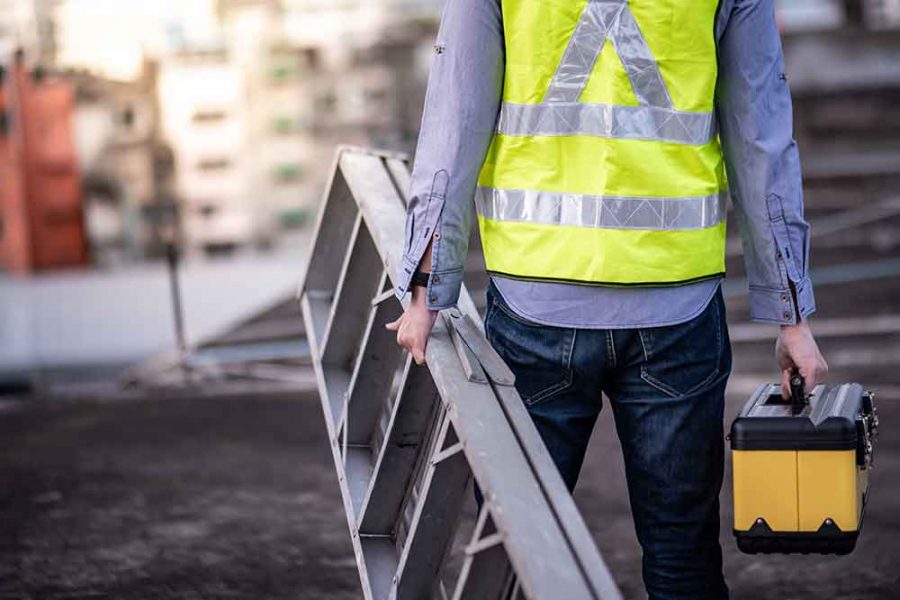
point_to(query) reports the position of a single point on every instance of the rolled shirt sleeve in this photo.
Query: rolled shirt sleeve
(762, 161)
(461, 106)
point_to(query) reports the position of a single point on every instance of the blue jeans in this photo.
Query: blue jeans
(666, 386)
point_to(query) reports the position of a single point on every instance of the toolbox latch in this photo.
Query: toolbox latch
(866, 432)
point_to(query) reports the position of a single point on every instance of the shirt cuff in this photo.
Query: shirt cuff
(443, 289)
(773, 305)
(404, 276)
(443, 286)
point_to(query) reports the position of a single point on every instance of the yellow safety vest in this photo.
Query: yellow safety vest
(606, 168)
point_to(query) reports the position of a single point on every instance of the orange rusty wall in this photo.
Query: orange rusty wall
(52, 180)
(15, 246)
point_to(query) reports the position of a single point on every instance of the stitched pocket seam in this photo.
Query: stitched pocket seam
(565, 383)
(546, 393)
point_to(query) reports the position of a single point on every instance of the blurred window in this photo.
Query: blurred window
(374, 94)
(368, 56)
(208, 116)
(282, 73)
(127, 116)
(213, 164)
(284, 125)
(291, 218)
(288, 173)
(326, 101)
(312, 57)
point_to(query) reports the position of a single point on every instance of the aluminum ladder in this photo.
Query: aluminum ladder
(408, 440)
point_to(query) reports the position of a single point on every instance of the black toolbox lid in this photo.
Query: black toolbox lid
(828, 422)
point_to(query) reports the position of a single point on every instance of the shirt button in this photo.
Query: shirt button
(778, 255)
(784, 297)
(435, 279)
(787, 313)
(437, 235)
(433, 299)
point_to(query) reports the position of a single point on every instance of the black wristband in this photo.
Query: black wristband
(420, 279)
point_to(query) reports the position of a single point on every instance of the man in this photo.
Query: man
(594, 137)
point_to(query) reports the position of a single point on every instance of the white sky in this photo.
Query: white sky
(111, 36)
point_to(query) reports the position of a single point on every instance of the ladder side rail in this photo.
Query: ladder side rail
(380, 551)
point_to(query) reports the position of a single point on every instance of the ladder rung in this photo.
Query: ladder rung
(383, 296)
(485, 571)
(348, 317)
(380, 558)
(337, 382)
(328, 406)
(360, 279)
(447, 453)
(406, 431)
(433, 523)
(416, 488)
(359, 465)
(371, 382)
(370, 183)
(399, 173)
(485, 543)
(319, 302)
(336, 221)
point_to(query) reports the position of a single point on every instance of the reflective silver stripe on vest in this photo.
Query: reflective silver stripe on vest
(583, 49)
(607, 120)
(607, 212)
(560, 113)
(643, 72)
(613, 19)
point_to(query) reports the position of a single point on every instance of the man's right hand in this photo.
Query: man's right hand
(797, 349)
(414, 325)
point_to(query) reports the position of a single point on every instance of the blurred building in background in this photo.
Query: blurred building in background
(318, 74)
(247, 97)
(128, 167)
(225, 113)
(204, 117)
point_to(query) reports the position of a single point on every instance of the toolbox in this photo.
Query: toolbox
(801, 468)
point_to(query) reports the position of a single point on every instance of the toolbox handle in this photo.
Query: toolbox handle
(798, 397)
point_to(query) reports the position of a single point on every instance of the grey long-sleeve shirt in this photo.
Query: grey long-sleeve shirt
(754, 111)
